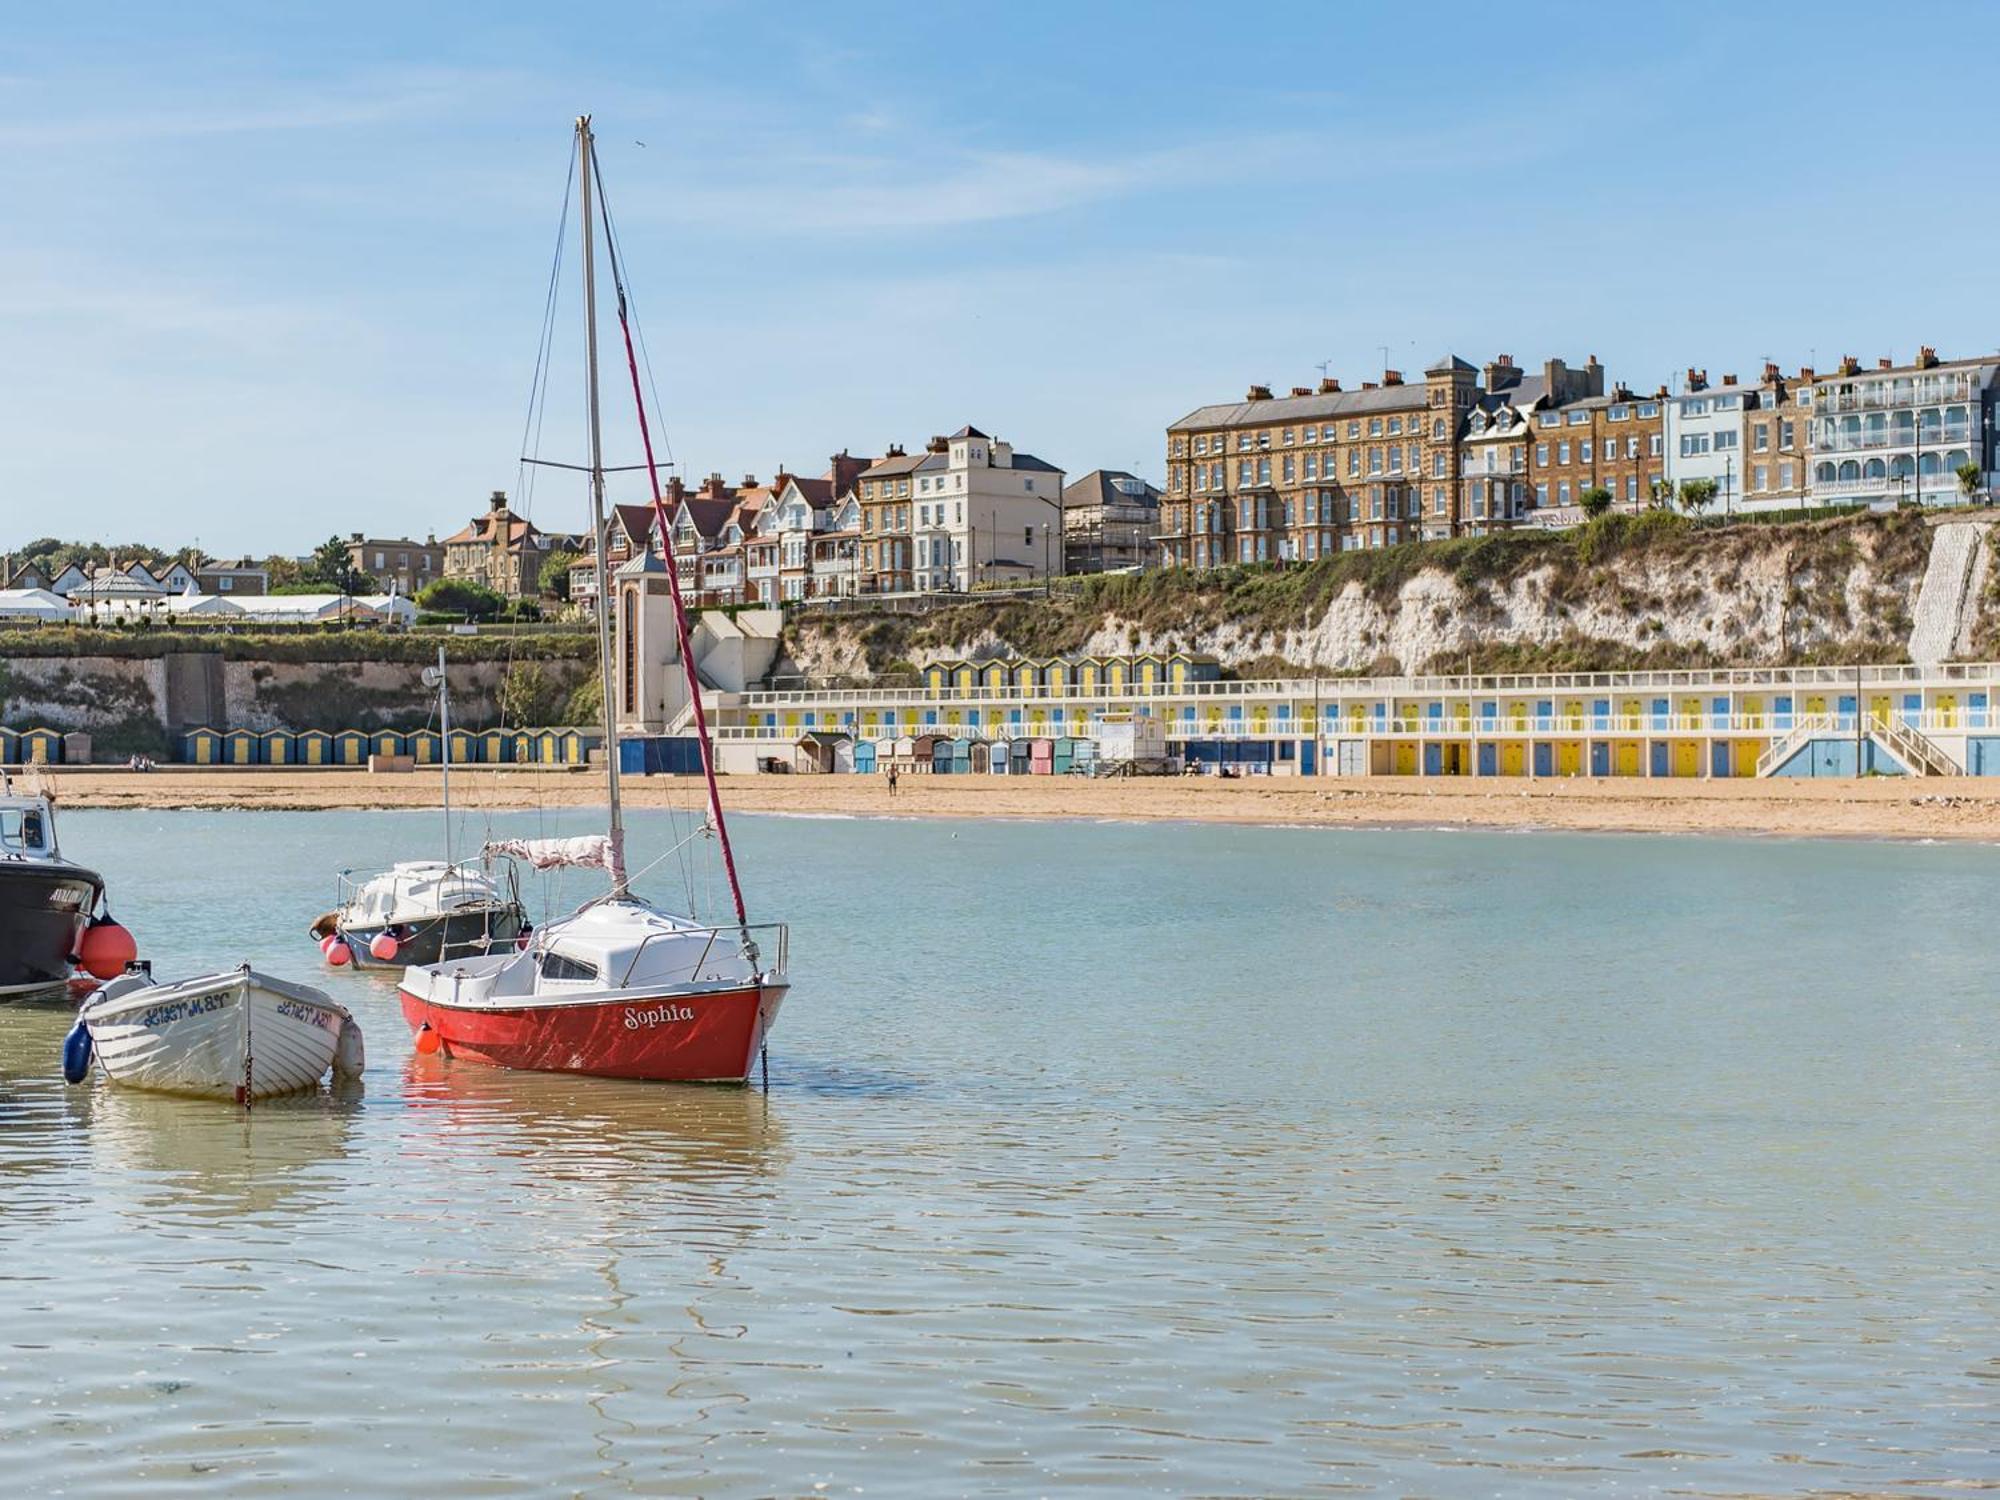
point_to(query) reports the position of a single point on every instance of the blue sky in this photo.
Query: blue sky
(271, 272)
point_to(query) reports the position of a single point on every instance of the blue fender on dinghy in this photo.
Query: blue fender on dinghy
(76, 1054)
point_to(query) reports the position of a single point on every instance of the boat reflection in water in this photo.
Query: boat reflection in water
(563, 1127)
(186, 1159)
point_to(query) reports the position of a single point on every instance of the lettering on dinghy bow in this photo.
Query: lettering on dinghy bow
(657, 1015)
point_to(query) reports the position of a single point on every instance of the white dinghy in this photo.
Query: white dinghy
(238, 1035)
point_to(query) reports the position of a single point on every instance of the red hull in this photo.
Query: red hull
(698, 1038)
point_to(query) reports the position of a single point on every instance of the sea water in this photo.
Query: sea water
(1144, 1159)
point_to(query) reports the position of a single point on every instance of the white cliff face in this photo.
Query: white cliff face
(1749, 598)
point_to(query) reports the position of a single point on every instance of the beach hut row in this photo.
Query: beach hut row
(31, 747)
(353, 747)
(950, 755)
(1060, 676)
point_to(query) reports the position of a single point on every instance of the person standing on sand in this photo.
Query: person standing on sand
(892, 781)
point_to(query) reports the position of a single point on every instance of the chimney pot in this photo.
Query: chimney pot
(1926, 357)
(1302, 390)
(1729, 380)
(1805, 374)
(1328, 386)
(1885, 364)
(1369, 385)
(1259, 393)
(1392, 377)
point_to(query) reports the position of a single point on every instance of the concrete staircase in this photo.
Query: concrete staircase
(1948, 600)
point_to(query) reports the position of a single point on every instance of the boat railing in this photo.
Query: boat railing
(753, 933)
(348, 884)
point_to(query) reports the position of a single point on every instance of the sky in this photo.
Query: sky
(272, 273)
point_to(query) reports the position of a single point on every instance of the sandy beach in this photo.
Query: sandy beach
(1956, 808)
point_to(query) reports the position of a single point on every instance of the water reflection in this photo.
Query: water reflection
(206, 1159)
(1288, 1163)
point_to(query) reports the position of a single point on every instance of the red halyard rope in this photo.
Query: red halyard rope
(680, 613)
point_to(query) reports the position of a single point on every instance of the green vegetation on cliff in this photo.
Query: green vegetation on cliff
(1829, 590)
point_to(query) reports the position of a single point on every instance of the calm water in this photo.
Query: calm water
(1152, 1159)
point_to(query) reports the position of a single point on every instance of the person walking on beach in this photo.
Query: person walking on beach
(892, 781)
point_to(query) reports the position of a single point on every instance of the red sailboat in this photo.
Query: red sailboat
(621, 988)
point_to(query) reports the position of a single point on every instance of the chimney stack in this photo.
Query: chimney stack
(1392, 377)
(1697, 380)
(1729, 380)
(1259, 393)
(1770, 371)
(1302, 390)
(1885, 364)
(1369, 385)
(1328, 386)
(1926, 357)
(1849, 365)
(1805, 374)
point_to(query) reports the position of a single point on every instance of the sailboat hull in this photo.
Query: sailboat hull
(462, 934)
(672, 1036)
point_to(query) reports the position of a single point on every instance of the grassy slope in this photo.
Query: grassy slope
(1274, 599)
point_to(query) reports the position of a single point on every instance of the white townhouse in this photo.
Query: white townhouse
(1705, 436)
(982, 513)
(1903, 432)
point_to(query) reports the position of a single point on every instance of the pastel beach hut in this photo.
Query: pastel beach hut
(996, 757)
(41, 747)
(201, 747)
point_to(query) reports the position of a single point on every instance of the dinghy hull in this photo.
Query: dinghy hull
(238, 1036)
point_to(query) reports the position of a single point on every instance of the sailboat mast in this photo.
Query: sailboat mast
(444, 736)
(585, 144)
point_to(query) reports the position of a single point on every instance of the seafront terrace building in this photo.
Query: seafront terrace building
(1901, 432)
(967, 511)
(1938, 720)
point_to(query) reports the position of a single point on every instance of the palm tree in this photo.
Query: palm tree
(1968, 480)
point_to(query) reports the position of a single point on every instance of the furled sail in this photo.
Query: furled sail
(587, 851)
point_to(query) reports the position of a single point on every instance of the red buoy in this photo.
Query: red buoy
(106, 949)
(428, 1041)
(383, 947)
(338, 953)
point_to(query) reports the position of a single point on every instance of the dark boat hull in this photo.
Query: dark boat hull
(43, 907)
(464, 934)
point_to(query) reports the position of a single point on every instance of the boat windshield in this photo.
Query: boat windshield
(23, 830)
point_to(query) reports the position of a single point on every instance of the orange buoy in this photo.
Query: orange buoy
(338, 953)
(383, 947)
(428, 1041)
(106, 949)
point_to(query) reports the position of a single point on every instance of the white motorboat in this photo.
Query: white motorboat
(428, 910)
(237, 1035)
(423, 911)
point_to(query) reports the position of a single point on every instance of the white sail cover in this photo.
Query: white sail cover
(588, 851)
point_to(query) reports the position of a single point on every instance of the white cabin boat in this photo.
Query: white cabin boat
(237, 1035)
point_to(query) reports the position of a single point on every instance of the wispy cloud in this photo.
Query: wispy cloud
(378, 99)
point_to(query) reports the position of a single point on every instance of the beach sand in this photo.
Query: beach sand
(1894, 807)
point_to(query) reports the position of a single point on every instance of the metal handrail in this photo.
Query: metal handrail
(1297, 689)
(781, 967)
